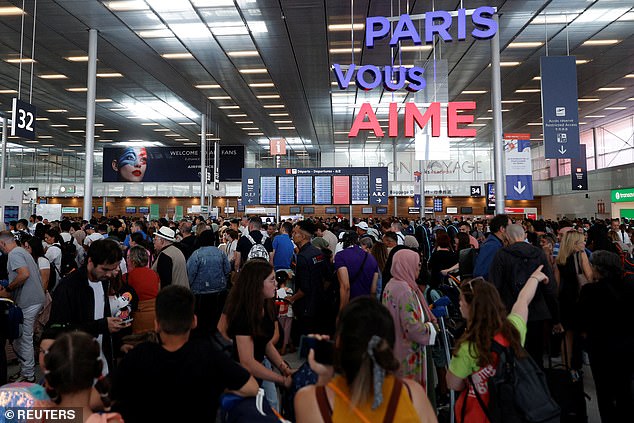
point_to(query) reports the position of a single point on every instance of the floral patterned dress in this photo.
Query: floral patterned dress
(411, 334)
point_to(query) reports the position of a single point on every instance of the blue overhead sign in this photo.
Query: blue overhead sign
(519, 187)
(250, 186)
(579, 170)
(560, 111)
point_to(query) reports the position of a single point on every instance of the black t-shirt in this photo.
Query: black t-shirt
(244, 245)
(240, 326)
(440, 259)
(152, 384)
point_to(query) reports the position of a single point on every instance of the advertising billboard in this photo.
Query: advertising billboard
(151, 164)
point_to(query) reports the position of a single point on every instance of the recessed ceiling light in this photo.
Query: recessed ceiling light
(229, 107)
(126, 5)
(528, 90)
(187, 123)
(477, 124)
(485, 118)
(59, 125)
(344, 50)
(282, 121)
(74, 145)
(509, 64)
(631, 75)
(250, 71)
(177, 56)
(268, 96)
(103, 100)
(77, 58)
(18, 60)
(274, 106)
(255, 133)
(219, 97)
(53, 76)
(280, 115)
(181, 139)
(242, 53)
(554, 19)
(512, 101)
(423, 47)
(261, 84)
(616, 108)
(73, 131)
(77, 118)
(77, 90)
(474, 92)
(526, 44)
(48, 145)
(534, 124)
(149, 124)
(245, 122)
(10, 10)
(582, 61)
(286, 127)
(109, 130)
(611, 89)
(8, 92)
(32, 142)
(109, 75)
(537, 78)
(345, 27)
(600, 42)
(156, 33)
(45, 136)
(57, 110)
(172, 135)
(251, 129)
(207, 86)
(336, 83)
(630, 99)
(588, 100)
(237, 115)
(161, 130)
(99, 125)
(595, 116)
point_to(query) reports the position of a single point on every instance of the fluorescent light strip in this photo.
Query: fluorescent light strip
(77, 90)
(588, 100)
(229, 107)
(280, 115)
(243, 53)
(103, 100)
(526, 44)
(274, 106)
(10, 11)
(268, 96)
(109, 75)
(345, 27)
(57, 111)
(616, 108)
(416, 48)
(23, 60)
(600, 42)
(244, 122)
(77, 58)
(177, 56)
(207, 86)
(611, 89)
(237, 115)
(261, 85)
(528, 90)
(512, 101)
(53, 76)
(475, 92)
(344, 50)
(595, 116)
(219, 97)
(8, 92)
(253, 71)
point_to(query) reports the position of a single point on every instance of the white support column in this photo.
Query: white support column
(5, 133)
(203, 158)
(90, 122)
(496, 103)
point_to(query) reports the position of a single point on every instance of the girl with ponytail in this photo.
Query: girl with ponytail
(362, 386)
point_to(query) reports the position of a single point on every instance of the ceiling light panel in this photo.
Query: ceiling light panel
(126, 6)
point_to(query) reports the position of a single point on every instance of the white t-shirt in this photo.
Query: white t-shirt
(92, 237)
(43, 263)
(54, 256)
(99, 295)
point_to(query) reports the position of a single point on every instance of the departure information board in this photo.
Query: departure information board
(323, 190)
(359, 189)
(287, 190)
(340, 190)
(268, 190)
(304, 190)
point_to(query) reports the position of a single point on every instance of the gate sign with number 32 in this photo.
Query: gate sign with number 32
(23, 120)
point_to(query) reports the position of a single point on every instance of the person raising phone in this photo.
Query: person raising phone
(362, 387)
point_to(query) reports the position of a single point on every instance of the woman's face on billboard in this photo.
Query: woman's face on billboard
(132, 164)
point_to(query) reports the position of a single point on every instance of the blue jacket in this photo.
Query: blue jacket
(488, 249)
(207, 269)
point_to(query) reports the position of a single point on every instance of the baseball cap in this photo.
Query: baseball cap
(362, 225)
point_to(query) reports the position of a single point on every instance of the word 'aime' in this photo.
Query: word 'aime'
(436, 23)
(413, 117)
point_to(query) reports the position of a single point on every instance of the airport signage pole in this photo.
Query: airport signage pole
(90, 122)
(496, 103)
(4, 151)
(203, 158)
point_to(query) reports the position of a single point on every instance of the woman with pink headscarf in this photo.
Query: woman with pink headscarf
(413, 321)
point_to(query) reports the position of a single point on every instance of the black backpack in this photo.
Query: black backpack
(518, 392)
(68, 264)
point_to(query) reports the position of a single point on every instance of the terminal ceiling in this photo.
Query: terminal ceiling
(261, 69)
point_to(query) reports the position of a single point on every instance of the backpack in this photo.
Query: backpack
(69, 264)
(257, 249)
(518, 392)
(466, 262)
(11, 319)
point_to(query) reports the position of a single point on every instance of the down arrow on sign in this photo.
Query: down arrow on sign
(519, 188)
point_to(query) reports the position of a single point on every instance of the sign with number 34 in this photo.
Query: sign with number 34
(23, 120)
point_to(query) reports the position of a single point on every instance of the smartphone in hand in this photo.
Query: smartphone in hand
(324, 349)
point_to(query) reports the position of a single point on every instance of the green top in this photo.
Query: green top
(464, 364)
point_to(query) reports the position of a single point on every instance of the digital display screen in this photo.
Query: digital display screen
(366, 210)
(11, 213)
(144, 210)
(341, 189)
(452, 210)
(359, 189)
(323, 190)
(466, 210)
(268, 190)
(331, 210)
(344, 210)
(304, 190)
(381, 210)
(294, 210)
(130, 209)
(438, 204)
(309, 210)
(287, 190)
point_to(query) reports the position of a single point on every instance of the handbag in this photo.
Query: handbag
(581, 278)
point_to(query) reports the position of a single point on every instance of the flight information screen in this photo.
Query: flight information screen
(323, 190)
(304, 190)
(341, 190)
(268, 190)
(359, 189)
(287, 190)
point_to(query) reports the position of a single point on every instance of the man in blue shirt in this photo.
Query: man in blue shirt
(490, 247)
(283, 248)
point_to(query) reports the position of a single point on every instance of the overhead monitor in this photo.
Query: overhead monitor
(286, 190)
(268, 190)
(309, 210)
(340, 190)
(331, 210)
(294, 210)
(304, 190)
(323, 190)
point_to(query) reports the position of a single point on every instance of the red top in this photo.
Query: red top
(145, 282)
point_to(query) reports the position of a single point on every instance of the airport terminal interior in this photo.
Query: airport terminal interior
(352, 117)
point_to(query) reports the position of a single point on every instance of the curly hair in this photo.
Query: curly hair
(487, 318)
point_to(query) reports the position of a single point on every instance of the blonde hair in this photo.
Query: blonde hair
(567, 247)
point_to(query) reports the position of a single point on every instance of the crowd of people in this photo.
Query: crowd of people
(145, 308)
